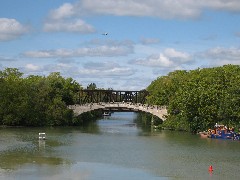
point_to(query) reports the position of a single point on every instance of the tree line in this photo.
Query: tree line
(199, 98)
(37, 100)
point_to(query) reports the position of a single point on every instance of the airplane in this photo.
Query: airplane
(105, 34)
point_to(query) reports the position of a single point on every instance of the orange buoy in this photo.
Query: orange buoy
(210, 168)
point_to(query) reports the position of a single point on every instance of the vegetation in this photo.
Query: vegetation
(36, 100)
(198, 99)
(195, 99)
(92, 86)
(148, 121)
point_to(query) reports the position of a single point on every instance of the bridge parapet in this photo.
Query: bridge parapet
(159, 111)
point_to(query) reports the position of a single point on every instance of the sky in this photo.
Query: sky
(118, 44)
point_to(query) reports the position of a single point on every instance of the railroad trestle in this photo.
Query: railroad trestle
(96, 96)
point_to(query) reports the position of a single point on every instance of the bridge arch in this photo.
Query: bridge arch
(158, 111)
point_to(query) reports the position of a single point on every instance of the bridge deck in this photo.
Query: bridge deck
(160, 112)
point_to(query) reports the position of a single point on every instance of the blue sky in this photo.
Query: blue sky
(146, 39)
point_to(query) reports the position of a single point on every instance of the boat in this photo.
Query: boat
(107, 114)
(203, 134)
(222, 132)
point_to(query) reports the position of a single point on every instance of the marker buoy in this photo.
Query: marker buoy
(210, 169)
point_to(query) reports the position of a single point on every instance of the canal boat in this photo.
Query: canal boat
(203, 134)
(222, 132)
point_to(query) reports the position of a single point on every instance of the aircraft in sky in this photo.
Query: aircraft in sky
(104, 34)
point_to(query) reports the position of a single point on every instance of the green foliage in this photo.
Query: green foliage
(199, 98)
(92, 86)
(85, 118)
(146, 121)
(36, 100)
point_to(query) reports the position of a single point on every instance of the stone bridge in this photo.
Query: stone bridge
(159, 111)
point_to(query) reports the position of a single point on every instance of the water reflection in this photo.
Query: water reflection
(41, 144)
(20, 146)
(96, 171)
(13, 159)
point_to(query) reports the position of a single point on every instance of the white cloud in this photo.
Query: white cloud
(155, 61)
(69, 16)
(225, 5)
(105, 69)
(32, 67)
(87, 71)
(224, 53)
(167, 9)
(65, 69)
(11, 29)
(63, 20)
(77, 25)
(220, 56)
(174, 55)
(117, 71)
(169, 58)
(64, 11)
(153, 8)
(104, 51)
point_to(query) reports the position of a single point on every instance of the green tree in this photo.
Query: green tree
(36, 100)
(92, 86)
(199, 98)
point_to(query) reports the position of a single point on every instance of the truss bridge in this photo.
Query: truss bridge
(107, 96)
(111, 100)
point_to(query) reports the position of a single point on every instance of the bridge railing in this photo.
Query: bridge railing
(96, 96)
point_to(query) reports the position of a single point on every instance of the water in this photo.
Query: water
(114, 148)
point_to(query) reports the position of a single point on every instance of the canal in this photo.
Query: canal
(114, 148)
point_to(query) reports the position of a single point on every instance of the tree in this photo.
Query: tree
(36, 100)
(92, 86)
(199, 98)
